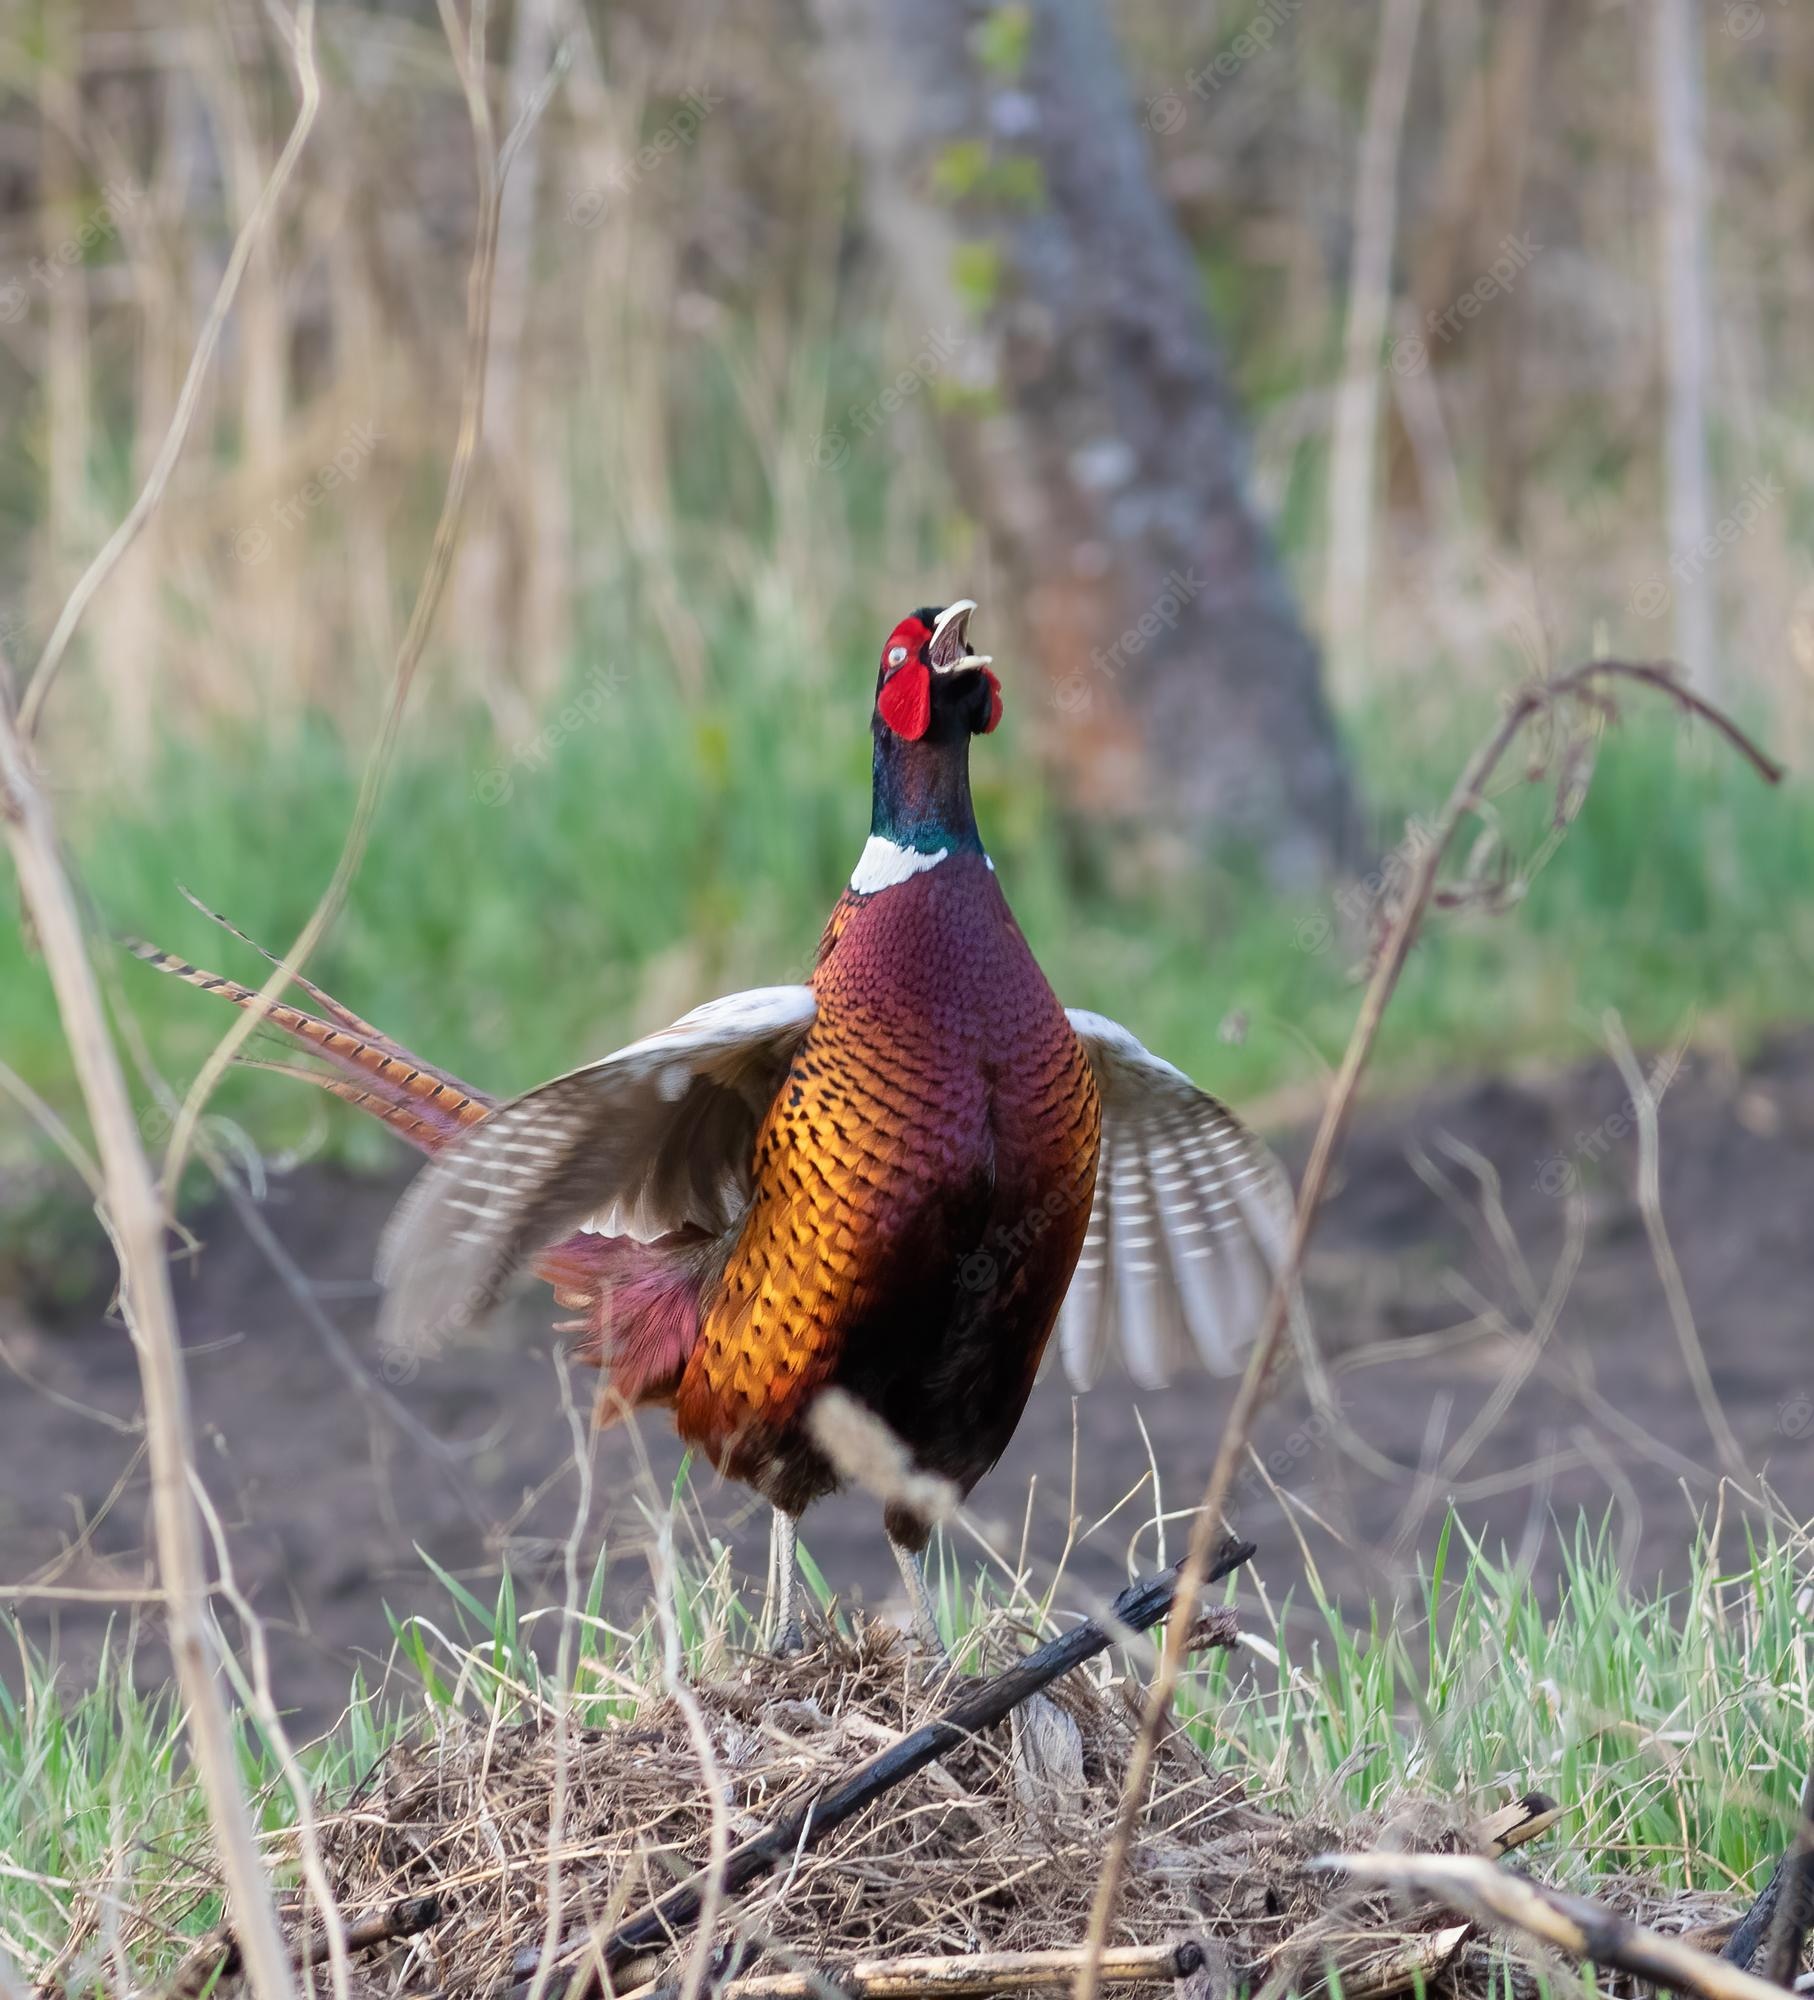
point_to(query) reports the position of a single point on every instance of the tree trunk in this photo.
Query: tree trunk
(1110, 466)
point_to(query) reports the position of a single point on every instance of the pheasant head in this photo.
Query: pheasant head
(932, 695)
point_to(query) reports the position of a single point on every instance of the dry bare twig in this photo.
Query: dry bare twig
(711, 1775)
(1354, 427)
(869, 1454)
(135, 1216)
(1584, 687)
(493, 164)
(1573, 1924)
(259, 1700)
(1650, 1204)
(53, 1128)
(571, 1609)
(217, 1957)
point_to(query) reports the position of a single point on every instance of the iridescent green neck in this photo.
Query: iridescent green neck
(921, 797)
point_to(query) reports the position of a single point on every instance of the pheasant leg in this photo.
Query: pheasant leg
(912, 1565)
(783, 1585)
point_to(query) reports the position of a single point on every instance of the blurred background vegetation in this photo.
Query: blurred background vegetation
(734, 428)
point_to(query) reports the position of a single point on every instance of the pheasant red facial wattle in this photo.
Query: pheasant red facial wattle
(906, 702)
(919, 650)
(897, 1179)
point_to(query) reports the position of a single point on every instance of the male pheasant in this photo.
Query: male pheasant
(896, 1179)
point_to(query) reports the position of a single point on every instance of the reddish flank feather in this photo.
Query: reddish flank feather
(640, 1310)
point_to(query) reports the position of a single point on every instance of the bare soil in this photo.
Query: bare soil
(1423, 1296)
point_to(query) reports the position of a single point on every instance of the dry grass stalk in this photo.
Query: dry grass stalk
(260, 1702)
(869, 1454)
(1650, 1204)
(1573, 1924)
(135, 1217)
(563, 1667)
(1584, 688)
(493, 166)
(1684, 289)
(302, 51)
(1355, 427)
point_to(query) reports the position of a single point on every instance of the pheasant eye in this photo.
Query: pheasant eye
(896, 654)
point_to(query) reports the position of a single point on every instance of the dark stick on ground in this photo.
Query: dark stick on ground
(1748, 1934)
(219, 1957)
(405, 1919)
(1779, 1919)
(579, 1961)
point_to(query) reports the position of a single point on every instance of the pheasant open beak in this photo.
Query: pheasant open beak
(948, 650)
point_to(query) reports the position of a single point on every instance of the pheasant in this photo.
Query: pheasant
(897, 1179)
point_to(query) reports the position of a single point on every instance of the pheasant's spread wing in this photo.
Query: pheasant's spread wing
(655, 1138)
(1189, 1224)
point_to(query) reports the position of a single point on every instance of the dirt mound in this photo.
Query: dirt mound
(974, 1853)
(987, 1851)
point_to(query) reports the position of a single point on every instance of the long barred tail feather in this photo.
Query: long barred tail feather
(408, 1121)
(342, 1016)
(427, 1106)
(637, 1303)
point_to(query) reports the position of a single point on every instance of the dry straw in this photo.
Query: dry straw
(952, 1863)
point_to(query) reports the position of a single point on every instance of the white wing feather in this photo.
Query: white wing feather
(1189, 1226)
(654, 1138)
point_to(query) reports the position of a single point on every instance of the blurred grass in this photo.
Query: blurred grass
(663, 504)
(524, 907)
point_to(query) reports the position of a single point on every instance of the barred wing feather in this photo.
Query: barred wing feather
(655, 1138)
(1189, 1225)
